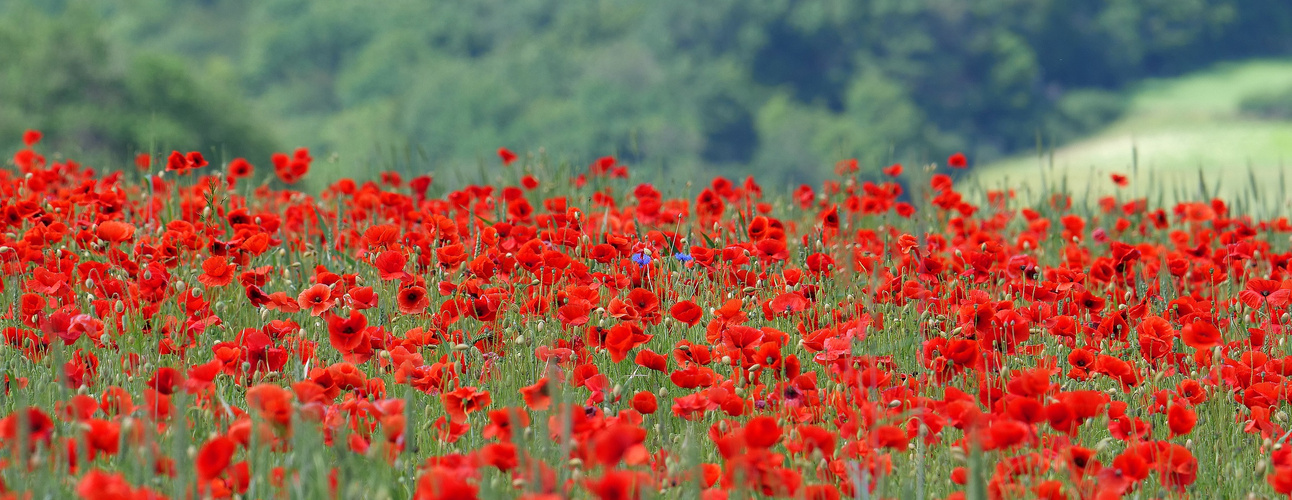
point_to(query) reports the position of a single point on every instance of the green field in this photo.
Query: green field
(1172, 130)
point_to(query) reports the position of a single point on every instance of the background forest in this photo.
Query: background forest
(781, 87)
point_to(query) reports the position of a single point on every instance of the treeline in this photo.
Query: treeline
(773, 86)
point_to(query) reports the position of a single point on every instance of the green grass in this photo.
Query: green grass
(1173, 128)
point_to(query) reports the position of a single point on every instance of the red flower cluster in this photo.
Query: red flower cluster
(604, 340)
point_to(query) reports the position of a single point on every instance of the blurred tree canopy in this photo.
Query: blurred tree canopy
(779, 87)
(63, 76)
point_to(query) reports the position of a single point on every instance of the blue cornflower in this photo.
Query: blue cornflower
(641, 259)
(684, 257)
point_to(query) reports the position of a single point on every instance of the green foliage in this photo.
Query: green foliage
(1273, 105)
(784, 87)
(62, 76)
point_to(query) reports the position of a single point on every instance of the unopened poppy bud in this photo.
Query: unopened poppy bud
(461, 347)
(520, 340)
(576, 463)
(726, 360)
(663, 392)
(1260, 468)
(957, 454)
(894, 403)
(180, 286)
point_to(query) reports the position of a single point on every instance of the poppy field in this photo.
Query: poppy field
(201, 329)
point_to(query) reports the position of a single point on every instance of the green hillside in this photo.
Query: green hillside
(1173, 129)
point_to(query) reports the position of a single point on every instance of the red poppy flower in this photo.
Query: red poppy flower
(176, 162)
(442, 483)
(165, 380)
(216, 272)
(506, 155)
(762, 432)
(317, 299)
(537, 396)
(687, 312)
(889, 436)
(195, 159)
(1200, 335)
(464, 401)
(647, 358)
(1260, 293)
(957, 160)
(412, 300)
(1181, 420)
(99, 485)
(240, 168)
(214, 457)
(390, 264)
(644, 402)
(272, 402)
(31, 137)
(345, 334)
(115, 231)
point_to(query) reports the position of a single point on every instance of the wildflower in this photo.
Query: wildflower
(957, 160)
(506, 155)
